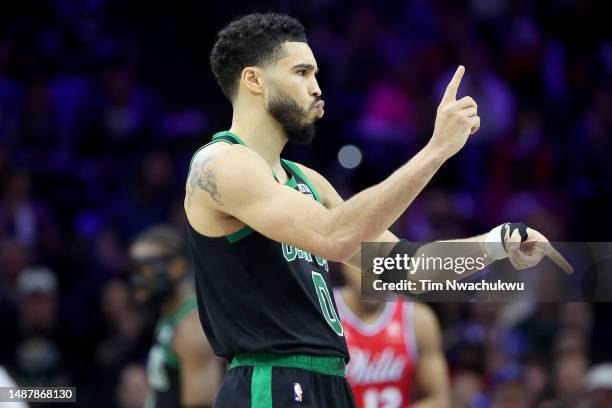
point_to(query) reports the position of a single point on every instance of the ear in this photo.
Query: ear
(252, 78)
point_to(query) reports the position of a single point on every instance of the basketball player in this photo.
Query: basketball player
(395, 348)
(262, 228)
(182, 369)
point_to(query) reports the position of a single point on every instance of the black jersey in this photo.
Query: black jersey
(163, 365)
(255, 294)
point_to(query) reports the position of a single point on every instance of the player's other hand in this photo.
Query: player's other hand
(530, 252)
(456, 119)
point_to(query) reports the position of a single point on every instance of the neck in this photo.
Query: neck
(259, 131)
(181, 293)
(366, 310)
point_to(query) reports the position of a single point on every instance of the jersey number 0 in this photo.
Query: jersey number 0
(327, 306)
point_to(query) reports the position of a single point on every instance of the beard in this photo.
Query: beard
(292, 118)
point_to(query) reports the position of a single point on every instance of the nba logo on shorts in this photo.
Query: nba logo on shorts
(297, 392)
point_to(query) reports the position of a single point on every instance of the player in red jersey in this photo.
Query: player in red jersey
(395, 348)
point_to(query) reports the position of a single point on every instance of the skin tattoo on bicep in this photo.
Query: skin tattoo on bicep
(205, 179)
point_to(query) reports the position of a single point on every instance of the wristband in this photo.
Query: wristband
(522, 228)
(495, 244)
(401, 248)
(404, 247)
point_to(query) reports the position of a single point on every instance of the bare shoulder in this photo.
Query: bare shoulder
(205, 166)
(219, 176)
(219, 160)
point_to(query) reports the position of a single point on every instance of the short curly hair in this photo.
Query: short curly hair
(251, 40)
(166, 238)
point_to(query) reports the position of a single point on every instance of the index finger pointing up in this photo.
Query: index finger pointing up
(450, 95)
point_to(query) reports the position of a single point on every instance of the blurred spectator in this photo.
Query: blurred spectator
(468, 391)
(123, 339)
(29, 222)
(511, 395)
(133, 387)
(108, 254)
(122, 118)
(537, 381)
(569, 379)
(38, 127)
(123, 327)
(13, 258)
(146, 201)
(42, 355)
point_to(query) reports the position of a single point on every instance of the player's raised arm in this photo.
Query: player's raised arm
(239, 183)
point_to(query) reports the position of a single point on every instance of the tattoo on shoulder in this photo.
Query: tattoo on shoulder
(204, 178)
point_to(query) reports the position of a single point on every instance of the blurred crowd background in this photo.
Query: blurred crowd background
(103, 102)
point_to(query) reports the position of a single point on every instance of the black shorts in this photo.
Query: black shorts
(265, 386)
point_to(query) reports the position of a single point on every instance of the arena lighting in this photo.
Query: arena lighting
(349, 156)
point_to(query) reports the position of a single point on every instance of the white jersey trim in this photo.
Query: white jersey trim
(410, 337)
(367, 329)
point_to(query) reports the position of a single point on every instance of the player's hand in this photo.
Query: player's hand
(456, 119)
(530, 252)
